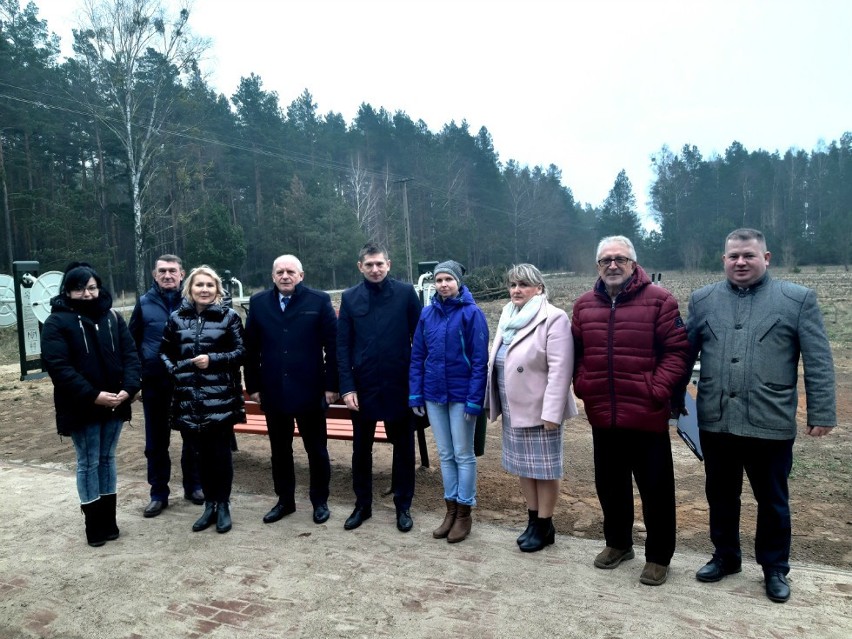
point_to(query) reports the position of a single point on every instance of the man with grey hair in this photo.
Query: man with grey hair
(751, 330)
(631, 352)
(291, 370)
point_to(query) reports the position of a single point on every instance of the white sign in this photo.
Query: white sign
(32, 337)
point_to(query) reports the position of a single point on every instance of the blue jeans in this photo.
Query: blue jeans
(95, 445)
(454, 436)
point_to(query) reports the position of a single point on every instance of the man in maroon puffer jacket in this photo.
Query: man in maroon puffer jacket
(631, 351)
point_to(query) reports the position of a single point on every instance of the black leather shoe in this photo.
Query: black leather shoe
(155, 507)
(358, 517)
(404, 522)
(223, 517)
(207, 518)
(196, 496)
(777, 588)
(715, 570)
(279, 511)
(321, 514)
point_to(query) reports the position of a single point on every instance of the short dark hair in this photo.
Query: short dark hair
(77, 276)
(746, 234)
(168, 257)
(372, 248)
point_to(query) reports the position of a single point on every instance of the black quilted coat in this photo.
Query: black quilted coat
(85, 355)
(213, 397)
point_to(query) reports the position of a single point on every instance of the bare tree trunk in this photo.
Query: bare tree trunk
(99, 184)
(7, 214)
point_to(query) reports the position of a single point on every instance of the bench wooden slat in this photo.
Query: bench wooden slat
(338, 426)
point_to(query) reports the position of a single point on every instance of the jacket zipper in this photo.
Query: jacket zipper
(611, 332)
(83, 331)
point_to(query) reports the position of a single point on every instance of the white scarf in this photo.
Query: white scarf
(513, 318)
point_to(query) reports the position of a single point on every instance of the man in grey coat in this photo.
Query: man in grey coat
(751, 331)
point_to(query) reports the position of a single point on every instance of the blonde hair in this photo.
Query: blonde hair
(526, 273)
(209, 272)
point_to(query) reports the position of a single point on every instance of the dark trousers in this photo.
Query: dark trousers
(620, 456)
(215, 461)
(156, 402)
(767, 463)
(312, 428)
(401, 435)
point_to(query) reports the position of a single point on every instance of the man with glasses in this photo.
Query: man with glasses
(630, 353)
(751, 330)
(374, 332)
(146, 325)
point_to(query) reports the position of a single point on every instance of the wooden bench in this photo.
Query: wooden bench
(338, 425)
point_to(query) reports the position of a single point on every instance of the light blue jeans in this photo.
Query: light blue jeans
(454, 436)
(96, 472)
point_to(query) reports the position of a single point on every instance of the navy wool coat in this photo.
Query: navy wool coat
(291, 356)
(374, 332)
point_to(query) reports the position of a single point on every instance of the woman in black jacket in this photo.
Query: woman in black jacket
(202, 349)
(91, 359)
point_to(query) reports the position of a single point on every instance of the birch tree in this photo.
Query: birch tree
(136, 56)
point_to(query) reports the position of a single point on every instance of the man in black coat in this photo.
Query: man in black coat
(291, 371)
(374, 332)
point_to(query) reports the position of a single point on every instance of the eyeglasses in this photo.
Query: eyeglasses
(89, 289)
(620, 260)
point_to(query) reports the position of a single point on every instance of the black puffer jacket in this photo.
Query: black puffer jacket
(213, 397)
(85, 355)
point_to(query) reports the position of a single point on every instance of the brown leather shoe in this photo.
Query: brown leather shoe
(609, 558)
(654, 574)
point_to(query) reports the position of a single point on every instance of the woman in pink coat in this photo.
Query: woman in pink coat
(529, 379)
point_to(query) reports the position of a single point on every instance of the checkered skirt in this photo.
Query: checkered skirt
(527, 452)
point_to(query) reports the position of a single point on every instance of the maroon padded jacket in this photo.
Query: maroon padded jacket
(630, 353)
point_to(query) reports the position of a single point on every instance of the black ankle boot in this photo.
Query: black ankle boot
(223, 522)
(533, 515)
(543, 534)
(94, 527)
(108, 520)
(207, 517)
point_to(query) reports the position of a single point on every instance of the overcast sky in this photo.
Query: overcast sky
(591, 86)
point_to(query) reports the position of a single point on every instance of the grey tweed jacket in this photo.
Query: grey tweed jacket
(750, 343)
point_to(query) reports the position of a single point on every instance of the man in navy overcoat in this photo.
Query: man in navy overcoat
(377, 321)
(291, 371)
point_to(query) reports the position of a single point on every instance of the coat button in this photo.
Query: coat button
(520, 369)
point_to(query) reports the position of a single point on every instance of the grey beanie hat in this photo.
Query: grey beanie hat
(452, 267)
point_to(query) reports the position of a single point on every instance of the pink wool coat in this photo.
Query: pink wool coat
(539, 366)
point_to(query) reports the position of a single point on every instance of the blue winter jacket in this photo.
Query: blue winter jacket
(147, 323)
(449, 356)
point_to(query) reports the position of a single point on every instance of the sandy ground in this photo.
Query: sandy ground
(296, 579)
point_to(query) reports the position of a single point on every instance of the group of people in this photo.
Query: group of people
(625, 349)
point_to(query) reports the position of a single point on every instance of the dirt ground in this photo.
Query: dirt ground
(821, 481)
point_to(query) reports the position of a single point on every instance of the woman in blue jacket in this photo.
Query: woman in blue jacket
(449, 366)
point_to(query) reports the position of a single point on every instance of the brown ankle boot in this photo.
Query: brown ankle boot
(461, 527)
(443, 530)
